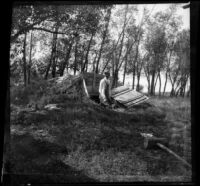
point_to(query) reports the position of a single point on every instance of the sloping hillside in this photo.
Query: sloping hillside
(76, 140)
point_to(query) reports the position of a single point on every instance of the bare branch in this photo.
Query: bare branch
(47, 30)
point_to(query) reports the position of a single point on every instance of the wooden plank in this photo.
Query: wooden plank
(119, 90)
(130, 100)
(128, 96)
(137, 102)
(120, 93)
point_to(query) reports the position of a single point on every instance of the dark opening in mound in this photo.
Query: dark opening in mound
(95, 98)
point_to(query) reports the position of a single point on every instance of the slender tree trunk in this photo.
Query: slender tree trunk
(120, 52)
(134, 64)
(165, 85)
(177, 89)
(30, 60)
(82, 57)
(94, 73)
(172, 83)
(133, 70)
(24, 58)
(138, 76)
(75, 59)
(155, 83)
(138, 82)
(160, 83)
(115, 78)
(107, 18)
(172, 93)
(167, 71)
(125, 67)
(113, 69)
(148, 78)
(113, 50)
(52, 55)
(54, 66)
(115, 72)
(152, 83)
(66, 62)
(87, 53)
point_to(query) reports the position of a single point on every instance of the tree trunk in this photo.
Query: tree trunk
(87, 53)
(152, 83)
(115, 78)
(113, 69)
(82, 57)
(94, 62)
(66, 62)
(94, 73)
(155, 83)
(165, 85)
(24, 59)
(30, 58)
(133, 84)
(125, 67)
(107, 18)
(148, 78)
(177, 89)
(172, 93)
(167, 71)
(138, 77)
(134, 65)
(138, 82)
(54, 66)
(52, 54)
(160, 83)
(54, 59)
(75, 55)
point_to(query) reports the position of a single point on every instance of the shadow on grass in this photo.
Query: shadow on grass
(36, 161)
(93, 129)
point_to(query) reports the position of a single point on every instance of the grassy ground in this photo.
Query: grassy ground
(82, 142)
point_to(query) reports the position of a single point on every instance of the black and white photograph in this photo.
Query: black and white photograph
(99, 93)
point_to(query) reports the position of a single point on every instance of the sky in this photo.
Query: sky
(153, 8)
(184, 13)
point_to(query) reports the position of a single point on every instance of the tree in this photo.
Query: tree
(24, 60)
(53, 54)
(107, 20)
(29, 17)
(30, 57)
(180, 70)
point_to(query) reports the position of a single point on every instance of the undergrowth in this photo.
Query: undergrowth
(101, 143)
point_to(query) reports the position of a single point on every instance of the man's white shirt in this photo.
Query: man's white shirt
(102, 87)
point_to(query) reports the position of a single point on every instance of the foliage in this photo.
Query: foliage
(74, 39)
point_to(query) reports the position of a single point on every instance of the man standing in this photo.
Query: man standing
(105, 90)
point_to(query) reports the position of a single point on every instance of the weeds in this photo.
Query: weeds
(103, 144)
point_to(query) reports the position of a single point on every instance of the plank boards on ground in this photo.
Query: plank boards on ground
(127, 96)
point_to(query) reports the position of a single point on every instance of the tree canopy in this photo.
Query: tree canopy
(57, 39)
